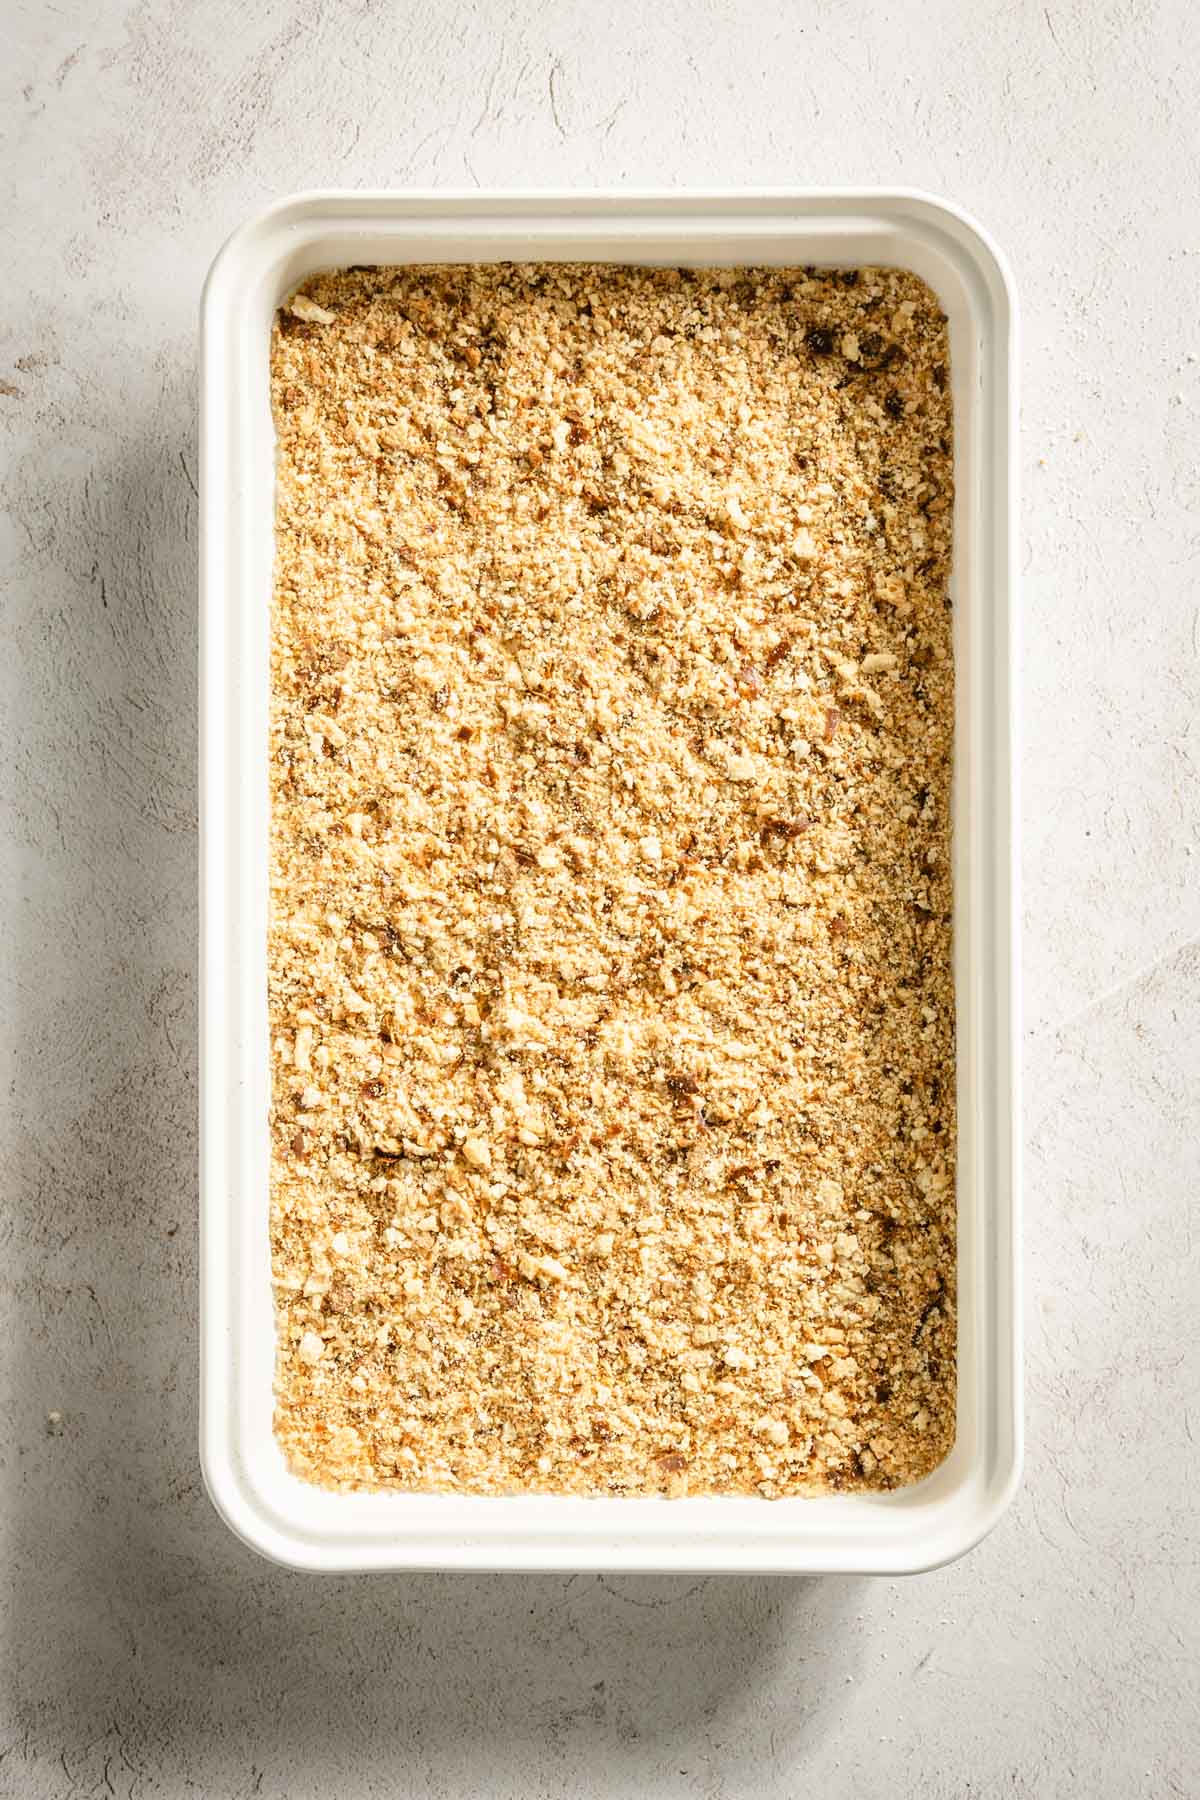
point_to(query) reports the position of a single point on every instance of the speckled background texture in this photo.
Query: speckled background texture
(145, 1652)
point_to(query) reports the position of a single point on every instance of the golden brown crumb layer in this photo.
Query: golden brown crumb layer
(610, 983)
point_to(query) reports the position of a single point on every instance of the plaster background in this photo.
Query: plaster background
(144, 1651)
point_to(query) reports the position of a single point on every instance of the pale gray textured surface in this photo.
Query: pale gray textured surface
(145, 1652)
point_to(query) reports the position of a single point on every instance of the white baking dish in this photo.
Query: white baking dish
(299, 1524)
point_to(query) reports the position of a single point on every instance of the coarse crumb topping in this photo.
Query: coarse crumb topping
(611, 1000)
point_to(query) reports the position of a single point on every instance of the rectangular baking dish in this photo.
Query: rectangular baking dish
(300, 1525)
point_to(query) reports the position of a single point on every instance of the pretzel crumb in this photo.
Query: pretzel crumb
(610, 992)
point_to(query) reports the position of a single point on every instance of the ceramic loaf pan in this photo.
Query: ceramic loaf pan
(285, 1518)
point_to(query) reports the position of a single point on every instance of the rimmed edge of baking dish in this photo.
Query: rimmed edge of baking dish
(300, 1525)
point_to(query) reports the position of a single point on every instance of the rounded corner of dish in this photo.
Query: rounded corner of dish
(942, 1545)
(971, 238)
(254, 238)
(247, 1512)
